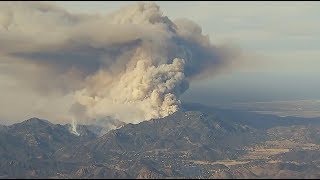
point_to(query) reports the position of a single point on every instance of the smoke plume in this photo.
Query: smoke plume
(131, 65)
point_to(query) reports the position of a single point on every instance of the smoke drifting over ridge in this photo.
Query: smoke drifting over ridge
(132, 64)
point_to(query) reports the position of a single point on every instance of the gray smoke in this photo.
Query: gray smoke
(131, 65)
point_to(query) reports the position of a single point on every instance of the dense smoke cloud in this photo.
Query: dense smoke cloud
(132, 64)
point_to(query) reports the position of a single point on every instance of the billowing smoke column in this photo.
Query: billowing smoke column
(130, 65)
(144, 92)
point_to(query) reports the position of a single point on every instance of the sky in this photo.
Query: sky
(282, 39)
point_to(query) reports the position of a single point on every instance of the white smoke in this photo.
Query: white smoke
(74, 127)
(144, 92)
(130, 65)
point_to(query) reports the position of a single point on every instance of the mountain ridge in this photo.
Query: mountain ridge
(195, 142)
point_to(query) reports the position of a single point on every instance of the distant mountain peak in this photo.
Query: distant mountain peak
(37, 121)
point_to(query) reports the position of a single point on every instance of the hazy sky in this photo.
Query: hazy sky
(280, 40)
(285, 34)
(282, 37)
